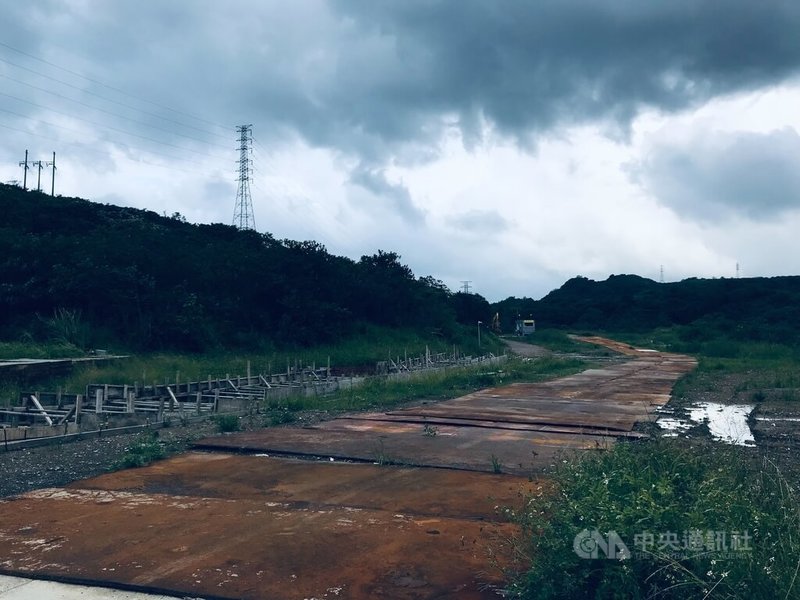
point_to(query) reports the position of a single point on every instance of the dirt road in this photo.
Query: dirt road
(525, 349)
(421, 523)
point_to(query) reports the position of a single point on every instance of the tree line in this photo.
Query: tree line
(107, 273)
(765, 309)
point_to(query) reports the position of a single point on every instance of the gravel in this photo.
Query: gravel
(61, 463)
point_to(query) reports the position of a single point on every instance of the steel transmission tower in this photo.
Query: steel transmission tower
(243, 213)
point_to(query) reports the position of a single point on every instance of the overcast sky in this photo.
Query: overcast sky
(512, 143)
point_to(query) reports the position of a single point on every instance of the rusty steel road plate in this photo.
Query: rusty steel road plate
(270, 525)
(232, 526)
(517, 428)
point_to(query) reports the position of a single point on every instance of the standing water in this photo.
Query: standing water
(726, 422)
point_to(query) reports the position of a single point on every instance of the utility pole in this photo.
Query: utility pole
(52, 163)
(662, 273)
(737, 270)
(465, 286)
(243, 211)
(479, 333)
(25, 166)
(40, 165)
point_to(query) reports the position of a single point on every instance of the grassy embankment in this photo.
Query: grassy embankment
(667, 486)
(361, 351)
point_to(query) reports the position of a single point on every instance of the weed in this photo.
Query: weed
(497, 465)
(145, 450)
(279, 417)
(430, 430)
(381, 458)
(662, 487)
(227, 423)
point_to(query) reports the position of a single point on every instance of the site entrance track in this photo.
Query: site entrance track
(249, 516)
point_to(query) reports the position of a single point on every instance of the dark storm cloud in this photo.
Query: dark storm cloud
(528, 67)
(751, 175)
(383, 82)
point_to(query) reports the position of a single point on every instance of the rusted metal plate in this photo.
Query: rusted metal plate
(471, 448)
(301, 483)
(525, 426)
(232, 526)
(257, 527)
(435, 421)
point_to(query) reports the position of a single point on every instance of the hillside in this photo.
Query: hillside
(754, 309)
(95, 274)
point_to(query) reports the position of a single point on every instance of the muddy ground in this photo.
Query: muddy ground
(774, 421)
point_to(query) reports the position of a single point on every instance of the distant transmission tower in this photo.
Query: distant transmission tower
(39, 165)
(243, 212)
(465, 286)
(24, 165)
(52, 163)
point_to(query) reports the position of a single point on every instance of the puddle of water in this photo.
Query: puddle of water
(726, 422)
(673, 426)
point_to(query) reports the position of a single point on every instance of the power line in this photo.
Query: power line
(121, 144)
(114, 129)
(108, 112)
(104, 98)
(94, 108)
(110, 87)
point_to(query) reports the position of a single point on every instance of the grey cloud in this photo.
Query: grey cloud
(399, 199)
(480, 222)
(717, 176)
(384, 81)
(527, 67)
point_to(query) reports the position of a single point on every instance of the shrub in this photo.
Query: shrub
(145, 450)
(662, 487)
(227, 423)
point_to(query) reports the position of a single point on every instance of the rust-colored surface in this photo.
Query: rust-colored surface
(522, 426)
(232, 526)
(470, 448)
(257, 527)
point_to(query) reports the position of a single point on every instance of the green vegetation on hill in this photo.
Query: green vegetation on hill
(698, 311)
(91, 275)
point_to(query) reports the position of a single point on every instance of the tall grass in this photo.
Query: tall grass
(662, 487)
(449, 383)
(363, 351)
(10, 350)
(382, 392)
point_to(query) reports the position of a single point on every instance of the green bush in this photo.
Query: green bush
(145, 450)
(661, 487)
(227, 423)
